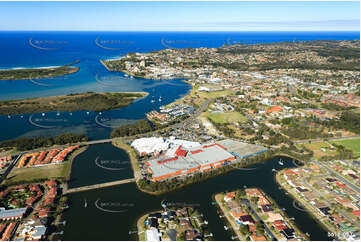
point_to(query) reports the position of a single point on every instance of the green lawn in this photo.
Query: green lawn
(352, 144)
(31, 174)
(229, 117)
(316, 147)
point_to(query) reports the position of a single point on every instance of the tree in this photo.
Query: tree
(244, 229)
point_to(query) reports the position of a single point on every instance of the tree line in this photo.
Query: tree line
(31, 143)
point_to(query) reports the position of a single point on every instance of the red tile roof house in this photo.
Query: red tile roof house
(356, 213)
(8, 232)
(229, 196)
(51, 183)
(345, 202)
(279, 225)
(43, 213)
(253, 192)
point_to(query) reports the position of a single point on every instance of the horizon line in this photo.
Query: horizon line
(82, 30)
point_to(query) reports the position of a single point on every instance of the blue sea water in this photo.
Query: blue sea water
(40, 49)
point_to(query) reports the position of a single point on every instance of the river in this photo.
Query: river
(111, 213)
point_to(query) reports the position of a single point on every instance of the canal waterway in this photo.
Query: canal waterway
(111, 213)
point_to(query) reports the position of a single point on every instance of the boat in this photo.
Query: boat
(85, 204)
(225, 227)
(152, 101)
(274, 169)
(280, 162)
(160, 98)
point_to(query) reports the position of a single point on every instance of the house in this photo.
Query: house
(288, 233)
(245, 220)
(272, 216)
(229, 196)
(255, 237)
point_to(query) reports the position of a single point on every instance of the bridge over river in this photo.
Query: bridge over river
(97, 186)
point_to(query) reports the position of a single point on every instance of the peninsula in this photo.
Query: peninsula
(38, 73)
(72, 102)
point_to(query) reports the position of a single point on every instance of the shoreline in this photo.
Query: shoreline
(19, 73)
(38, 67)
(217, 198)
(308, 212)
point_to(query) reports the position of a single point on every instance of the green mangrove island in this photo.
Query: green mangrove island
(72, 102)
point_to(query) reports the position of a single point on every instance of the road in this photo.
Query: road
(328, 139)
(11, 166)
(249, 205)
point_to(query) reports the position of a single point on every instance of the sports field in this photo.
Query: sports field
(228, 117)
(352, 144)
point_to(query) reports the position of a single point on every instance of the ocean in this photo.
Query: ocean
(51, 48)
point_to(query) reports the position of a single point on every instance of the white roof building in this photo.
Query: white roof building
(152, 235)
(158, 144)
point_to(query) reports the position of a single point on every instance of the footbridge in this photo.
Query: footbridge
(97, 186)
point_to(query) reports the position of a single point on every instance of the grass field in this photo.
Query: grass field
(352, 144)
(229, 117)
(36, 173)
(55, 171)
(316, 148)
(198, 96)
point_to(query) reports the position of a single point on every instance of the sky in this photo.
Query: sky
(181, 16)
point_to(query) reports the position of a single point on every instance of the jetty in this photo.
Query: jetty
(97, 186)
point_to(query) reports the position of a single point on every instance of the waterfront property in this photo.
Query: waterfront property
(328, 191)
(46, 157)
(32, 206)
(254, 216)
(178, 223)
